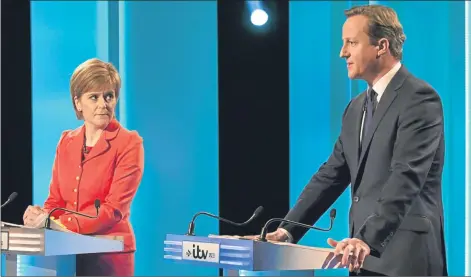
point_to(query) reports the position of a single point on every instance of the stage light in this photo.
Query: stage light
(259, 17)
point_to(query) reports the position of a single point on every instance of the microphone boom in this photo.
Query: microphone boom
(191, 227)
(47, 223)
(263, 233)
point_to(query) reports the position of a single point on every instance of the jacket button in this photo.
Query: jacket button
(356, 199)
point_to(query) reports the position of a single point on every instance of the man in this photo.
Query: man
(391, 151)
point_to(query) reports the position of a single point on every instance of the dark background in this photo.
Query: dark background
(16, 109)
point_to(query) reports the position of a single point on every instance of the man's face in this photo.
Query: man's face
(360, 54)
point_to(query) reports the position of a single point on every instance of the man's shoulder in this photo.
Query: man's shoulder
(417, 95)
(414, 85)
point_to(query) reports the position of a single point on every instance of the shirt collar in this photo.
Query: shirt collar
(380, 86)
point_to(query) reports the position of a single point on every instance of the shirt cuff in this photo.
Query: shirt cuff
(288, 234)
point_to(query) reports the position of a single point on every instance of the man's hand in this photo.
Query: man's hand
(356, 247)
(277, 235)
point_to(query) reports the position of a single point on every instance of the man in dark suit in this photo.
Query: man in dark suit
(391, 151)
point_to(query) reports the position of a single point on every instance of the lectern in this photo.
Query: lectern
(43, 252)
(243, 257)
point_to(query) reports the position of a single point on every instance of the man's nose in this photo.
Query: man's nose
(343, 52)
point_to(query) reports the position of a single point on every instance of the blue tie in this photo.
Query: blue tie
(370, 109)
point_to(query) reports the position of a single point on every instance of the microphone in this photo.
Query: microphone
(10, 199)
(191, 227)
(47, 224)
(263, 234)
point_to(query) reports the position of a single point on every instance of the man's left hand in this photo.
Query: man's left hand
(356, 247)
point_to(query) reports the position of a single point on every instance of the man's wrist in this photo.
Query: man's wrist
(289, 237)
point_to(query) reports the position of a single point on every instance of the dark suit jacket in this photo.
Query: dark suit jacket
(396, 180)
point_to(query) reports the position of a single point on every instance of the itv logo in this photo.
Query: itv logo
(200, 251)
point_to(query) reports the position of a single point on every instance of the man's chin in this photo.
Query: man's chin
(353, 75)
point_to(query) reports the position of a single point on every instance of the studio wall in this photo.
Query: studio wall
(63, 35)
(171, 97)
(169, 73)
(168, 56)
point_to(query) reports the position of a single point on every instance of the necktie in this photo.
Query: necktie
(370, 109)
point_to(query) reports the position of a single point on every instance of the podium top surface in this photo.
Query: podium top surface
(44, 242)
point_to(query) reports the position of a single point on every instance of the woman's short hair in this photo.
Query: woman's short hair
(93, 75)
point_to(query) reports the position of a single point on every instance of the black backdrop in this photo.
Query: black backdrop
(253, 114)
(16, 108)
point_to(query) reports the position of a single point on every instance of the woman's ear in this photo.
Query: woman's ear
(77, 104)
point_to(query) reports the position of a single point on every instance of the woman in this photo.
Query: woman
(99, 160)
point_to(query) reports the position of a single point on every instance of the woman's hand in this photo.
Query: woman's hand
(33, 215)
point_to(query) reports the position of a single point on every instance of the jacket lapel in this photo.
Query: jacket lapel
(74, 147)
(386, 100)
(357, 116)
(358, 113)
(103, 143)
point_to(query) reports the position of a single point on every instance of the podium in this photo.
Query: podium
(43, 252)
(243, 257)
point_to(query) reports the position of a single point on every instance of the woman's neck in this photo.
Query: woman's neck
(92, 135)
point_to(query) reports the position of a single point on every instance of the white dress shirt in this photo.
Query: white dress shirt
(379, 87)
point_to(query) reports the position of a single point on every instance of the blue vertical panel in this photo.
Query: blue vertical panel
(171, 98)
(63, 35)
(319, 93)
(442, 63)
(467, 245)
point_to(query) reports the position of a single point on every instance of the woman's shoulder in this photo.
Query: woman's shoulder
(128, 136)
(69, 134)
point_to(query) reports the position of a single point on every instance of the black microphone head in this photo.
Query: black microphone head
(333, 213)
(258, 211)
(97, 203)
(12, 196)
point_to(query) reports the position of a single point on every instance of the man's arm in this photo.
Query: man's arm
(418, 137)
(320, 193)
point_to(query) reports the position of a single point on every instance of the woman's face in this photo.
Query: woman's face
(97, 107)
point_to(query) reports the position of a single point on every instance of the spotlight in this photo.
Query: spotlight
(259, 17)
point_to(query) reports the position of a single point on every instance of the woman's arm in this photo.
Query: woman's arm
(126, 179)
(54, 198)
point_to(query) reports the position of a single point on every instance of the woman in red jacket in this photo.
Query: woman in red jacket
(99, 160)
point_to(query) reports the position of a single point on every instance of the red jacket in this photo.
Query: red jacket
(110, 172)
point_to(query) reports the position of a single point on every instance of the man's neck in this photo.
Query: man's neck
(92, 135)
(384, 68)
